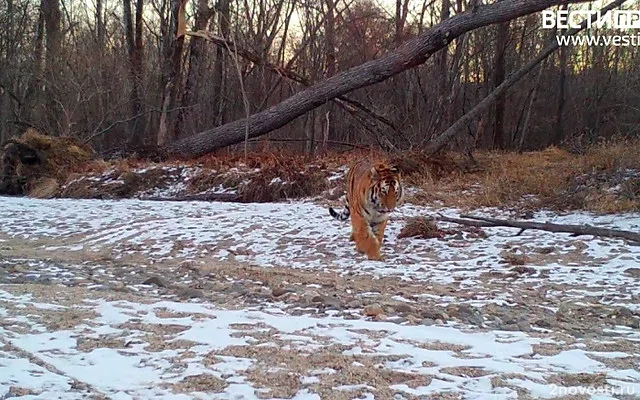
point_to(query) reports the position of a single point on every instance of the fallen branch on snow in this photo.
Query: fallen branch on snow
(577, 230)
(227, 197)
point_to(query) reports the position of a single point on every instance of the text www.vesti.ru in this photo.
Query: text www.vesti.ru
(599, 40)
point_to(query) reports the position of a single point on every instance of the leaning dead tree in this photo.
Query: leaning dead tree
(409, 55)
(461, 124)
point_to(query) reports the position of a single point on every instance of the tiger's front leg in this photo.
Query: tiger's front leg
(379, 230)
(366, 241)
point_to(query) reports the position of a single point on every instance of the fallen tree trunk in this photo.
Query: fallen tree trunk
(492, 97)
(409, 55)
(577, 230)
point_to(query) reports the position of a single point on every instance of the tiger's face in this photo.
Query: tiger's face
(386, 191)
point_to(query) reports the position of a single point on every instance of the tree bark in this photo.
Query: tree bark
(171, 73)
(559, 128)
(499, 71)
(444, 138)
(133, 36)
(402, 10)
(330, 42)
(532, 100)
(196, 52)
(220, 63)
(52, 23)
(409, 55)
(100, 27)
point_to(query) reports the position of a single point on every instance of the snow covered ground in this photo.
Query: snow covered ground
(185, 300)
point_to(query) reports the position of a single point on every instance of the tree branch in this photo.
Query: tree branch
(577, 230)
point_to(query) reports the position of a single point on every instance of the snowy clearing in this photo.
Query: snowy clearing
(184, 300)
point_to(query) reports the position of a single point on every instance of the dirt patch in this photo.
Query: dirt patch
(465, 371)
(160, 329)
(51, 318)
(548, 349)
(87, 345)
(160, 343)
(206, 383)
(632, 363)
(581, 379)
(17, 391)
(284, 363)
(166, 313)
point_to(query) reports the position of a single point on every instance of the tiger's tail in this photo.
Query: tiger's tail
(342, 215)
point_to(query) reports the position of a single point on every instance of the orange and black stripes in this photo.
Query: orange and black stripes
(373, 191)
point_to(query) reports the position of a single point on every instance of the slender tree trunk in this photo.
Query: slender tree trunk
(443, 72)
(220, 63)
(402, 9)
(175, 37)
(133, 36)
(329, 115)
(32, 98)
(100, 29)
(499, 71)
(52, 24)
(194, 74)
(559, 128)
(532, 100)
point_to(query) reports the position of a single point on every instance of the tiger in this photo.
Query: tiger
(374, 190)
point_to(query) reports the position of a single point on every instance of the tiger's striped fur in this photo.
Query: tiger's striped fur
(374, 190)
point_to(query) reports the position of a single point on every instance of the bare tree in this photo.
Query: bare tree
(411, 54)
(134, 50)
(559, 128)
(174, 40)
(482, 106)
(196, 54)
(499, 71)
(224, 23)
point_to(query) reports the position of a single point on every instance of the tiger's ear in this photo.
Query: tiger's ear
(395, 169)
(373, 172)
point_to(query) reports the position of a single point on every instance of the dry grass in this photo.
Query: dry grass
(421, 227)
(44, 188)
(514, 259)
(552, 178)
(35, 163)
(601, 179)
(277, 183)
(416, 166)
(581, 379)
(62, 154)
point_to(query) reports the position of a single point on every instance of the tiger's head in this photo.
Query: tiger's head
(385, 191)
